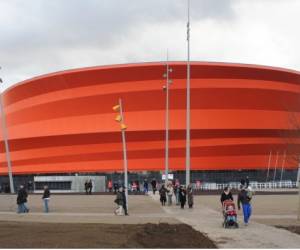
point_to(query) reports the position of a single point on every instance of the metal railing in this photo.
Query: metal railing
(255, 185)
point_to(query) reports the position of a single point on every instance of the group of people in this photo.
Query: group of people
(181, 194)
(166, 191)
(22, 199)
(88, 186)
(243, 199)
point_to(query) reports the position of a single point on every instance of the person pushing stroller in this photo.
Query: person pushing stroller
(228, 209)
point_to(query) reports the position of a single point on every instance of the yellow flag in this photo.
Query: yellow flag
(123, 126)
(116, 108)
(118, 118)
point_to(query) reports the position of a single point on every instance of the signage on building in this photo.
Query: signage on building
(170, 176)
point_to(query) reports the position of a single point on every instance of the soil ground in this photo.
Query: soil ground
(63, 235)
(293, 229)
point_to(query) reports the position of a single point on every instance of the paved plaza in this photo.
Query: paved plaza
(205, 217)
(85, 209)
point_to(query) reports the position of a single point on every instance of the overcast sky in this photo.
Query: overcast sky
(43, 36)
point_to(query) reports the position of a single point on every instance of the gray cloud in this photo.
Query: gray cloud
(40, 36)
(42, 23)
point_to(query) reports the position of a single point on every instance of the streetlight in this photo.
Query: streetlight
(5, 137)
(120, 118)
(166, 88)
(188, 104)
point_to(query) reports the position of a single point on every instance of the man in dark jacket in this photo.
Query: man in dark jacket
(153, 184)
(244, 197)
(119, 201)
(116, 187)
(90, 187)
(182, 196)
(124, 202)
(21, 200)
(46, 198)
(163, 195)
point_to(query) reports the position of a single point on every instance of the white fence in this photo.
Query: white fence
(254, 185)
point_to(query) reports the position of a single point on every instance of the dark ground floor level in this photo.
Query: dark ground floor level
(221, 177)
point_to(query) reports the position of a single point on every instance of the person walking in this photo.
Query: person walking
(146, 186)
(170, 191)
(134, 187)
(176, 192)
(109, 186)
(125, 201)
(90, 187)
(153, 184)
(22, 200)
(116, 186)
(46, 198)
(163, 195)
(245, 197)
(190, 196)
(120, 202)
(226, 195)
(182, 196)
(86, 187)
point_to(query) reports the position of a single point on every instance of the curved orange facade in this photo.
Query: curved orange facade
(64, 122)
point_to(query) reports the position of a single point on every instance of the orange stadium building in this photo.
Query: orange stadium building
(63, 123)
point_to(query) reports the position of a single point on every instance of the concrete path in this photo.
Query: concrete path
(255, 235)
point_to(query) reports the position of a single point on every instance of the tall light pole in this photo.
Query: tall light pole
(188, 104)
(120, 118)
(166, 88)
(5, 137)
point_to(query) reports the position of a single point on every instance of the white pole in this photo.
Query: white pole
(167, 124)
(282, 166)
(5, 137)
(275, 166)
(188, 109)
(124, 154)
(269, 163)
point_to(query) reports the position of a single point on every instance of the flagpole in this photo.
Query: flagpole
(188, 104)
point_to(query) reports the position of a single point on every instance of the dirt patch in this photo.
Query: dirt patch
(293, 229)
(68, 235)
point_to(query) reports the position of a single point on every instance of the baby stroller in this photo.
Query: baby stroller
(229, 214)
